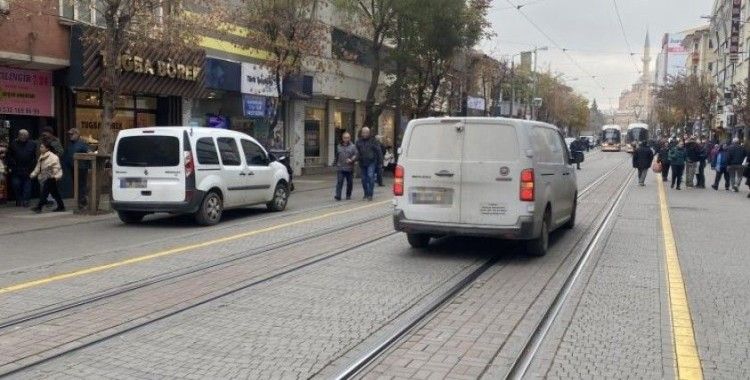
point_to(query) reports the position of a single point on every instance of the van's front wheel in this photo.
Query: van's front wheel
(280, 198)
(210, 211)
(131, 217)
(418, 240)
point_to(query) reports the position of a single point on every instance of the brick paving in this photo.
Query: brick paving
(713, 242)
(616, 321)
(483, 330)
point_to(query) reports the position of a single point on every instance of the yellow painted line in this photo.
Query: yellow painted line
(688, 363)
(177, 250)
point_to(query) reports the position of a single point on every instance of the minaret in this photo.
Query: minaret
(647, 60)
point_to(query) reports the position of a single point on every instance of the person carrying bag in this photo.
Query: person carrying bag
(48, 171)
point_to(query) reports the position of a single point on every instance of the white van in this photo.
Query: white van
(199, 171)
(493, 177)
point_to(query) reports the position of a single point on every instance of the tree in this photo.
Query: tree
(596, 117)
(290, 32)
(428, 40)
(135, 24)
(380, 17)
(684, 100)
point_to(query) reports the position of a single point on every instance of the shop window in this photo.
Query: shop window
(314, 121)
(230, 155)
(206, 150)
(145, 103)
(254, 154)
(88, 98)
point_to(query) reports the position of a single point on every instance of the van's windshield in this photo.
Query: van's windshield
(148, 151)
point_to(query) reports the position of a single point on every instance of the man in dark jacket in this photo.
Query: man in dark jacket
(663, 158)
(48, 134)
(369, 157)
(642, 159)
(677, 158)
(692, 149)
(703, 152)
(21, 162)
(735, 158)
(76, 145)
(576, 149)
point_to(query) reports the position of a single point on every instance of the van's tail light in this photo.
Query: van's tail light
(527, 185)
(398, 181)
(189, 164)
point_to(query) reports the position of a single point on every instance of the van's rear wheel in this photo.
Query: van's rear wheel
(418, 240)
(131, 217)
(539, 246)
(210, 211)
(280, 198)
(572, 221)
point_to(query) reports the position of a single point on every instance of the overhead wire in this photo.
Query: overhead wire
(625, 36)
(594, 78)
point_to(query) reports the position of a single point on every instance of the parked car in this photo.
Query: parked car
(198, 171)
(591, 140)
(494, 177)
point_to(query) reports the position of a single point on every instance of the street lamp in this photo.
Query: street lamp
(536, 79)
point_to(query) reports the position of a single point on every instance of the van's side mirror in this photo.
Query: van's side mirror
(271, 158)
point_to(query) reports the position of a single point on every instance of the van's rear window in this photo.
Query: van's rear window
(151, 151)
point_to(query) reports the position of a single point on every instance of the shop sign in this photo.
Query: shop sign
(474, 103)
(734, 35)
(257, 80)
(26, 92)
(157, 67)
(254, 106)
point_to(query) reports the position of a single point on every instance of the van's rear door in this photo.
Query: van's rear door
(491, 172)
(432, 171)
(149, 167)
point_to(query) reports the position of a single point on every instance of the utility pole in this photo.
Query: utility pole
(536, 81)
(512, 84)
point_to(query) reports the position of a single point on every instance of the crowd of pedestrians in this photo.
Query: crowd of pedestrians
(44, 161)
(688, 159)
(372, 157)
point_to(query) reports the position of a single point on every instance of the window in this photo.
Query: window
(541, 145)
(556, 146)
(437, 142)
(490, 143)
(230, 155)
(148, 151)
(254, 154)
(206, 150)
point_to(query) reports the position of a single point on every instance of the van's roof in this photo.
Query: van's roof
(503, 120)
(196, 131)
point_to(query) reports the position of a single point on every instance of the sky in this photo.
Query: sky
(590, 32)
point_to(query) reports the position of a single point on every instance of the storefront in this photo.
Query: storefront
(27, 101)
(259, 103)
(153, 83)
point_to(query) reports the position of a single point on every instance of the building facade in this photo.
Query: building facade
(636, 103)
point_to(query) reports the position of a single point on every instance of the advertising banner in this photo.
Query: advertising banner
(26, 92)
(474, 103)
(257, 80)
(734, 35)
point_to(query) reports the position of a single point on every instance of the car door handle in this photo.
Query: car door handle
(444, 173)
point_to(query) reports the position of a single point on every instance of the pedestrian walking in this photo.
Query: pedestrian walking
(576, 149)
(3, 174)
(642, 159)
(677, 159)
(692, 149)
(663, 158)
(346, 156)
(381, 164)
(21, 159)
(48, 171)
(705, 148)
(75, 145)
(735, 157)
(48, 134)
(369, 153)
(747, 173)
(719, 164)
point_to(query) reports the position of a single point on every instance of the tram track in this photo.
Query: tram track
(67, 309)
(361, 363)
(70, 307)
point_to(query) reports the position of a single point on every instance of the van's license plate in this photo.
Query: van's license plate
(431, 196)
(133, 183)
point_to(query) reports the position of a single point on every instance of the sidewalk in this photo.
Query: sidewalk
(16, 219)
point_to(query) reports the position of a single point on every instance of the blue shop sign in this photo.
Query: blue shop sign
(254, 106)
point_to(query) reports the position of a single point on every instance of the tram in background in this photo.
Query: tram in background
(611, 138)
(637, 133)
